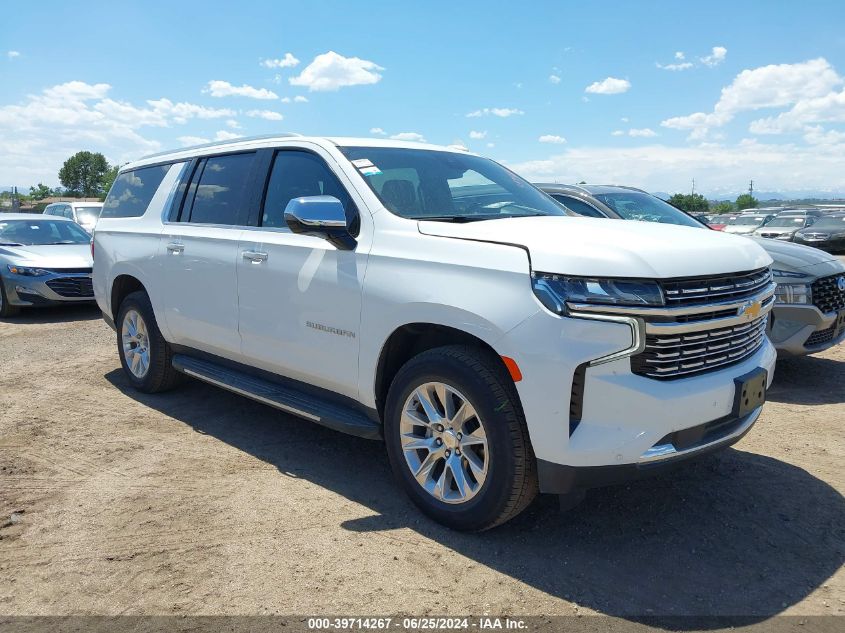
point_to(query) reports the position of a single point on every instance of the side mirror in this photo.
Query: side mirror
(323, 216)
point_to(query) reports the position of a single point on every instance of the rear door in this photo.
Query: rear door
(199, 251)
(300, 296)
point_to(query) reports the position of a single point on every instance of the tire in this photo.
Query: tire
(6, 309)
(159, 374)
(506, 482)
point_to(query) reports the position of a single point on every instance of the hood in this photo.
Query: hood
(800, 258)
(777, 230)
(741, 228)
(52, 256)
(598, 247)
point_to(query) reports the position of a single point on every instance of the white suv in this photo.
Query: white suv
(435, 299)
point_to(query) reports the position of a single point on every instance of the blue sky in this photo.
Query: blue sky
(651, 94)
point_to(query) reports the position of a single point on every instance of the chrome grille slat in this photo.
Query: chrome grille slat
(689, 292)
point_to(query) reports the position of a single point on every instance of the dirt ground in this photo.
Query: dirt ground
(202, 502)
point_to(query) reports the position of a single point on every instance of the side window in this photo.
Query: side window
(581, 208)
(132, 191)
(69, 212)
(296, 174)
(48, 210)
(221, 185)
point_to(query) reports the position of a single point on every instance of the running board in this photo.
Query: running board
(288, 399)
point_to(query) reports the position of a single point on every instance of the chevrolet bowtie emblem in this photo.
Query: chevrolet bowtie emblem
(751, 309)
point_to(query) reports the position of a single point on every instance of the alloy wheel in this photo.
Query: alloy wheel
(136, 342)
(444, 443)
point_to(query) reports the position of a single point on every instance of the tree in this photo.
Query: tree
(746, 201)
(691, 203)
(40, 191)
(723, 207)
(84, 173)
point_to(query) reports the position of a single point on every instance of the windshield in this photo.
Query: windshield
(747, 221)
(427, 184)
(790, 221)
(833, 223)
(41, 232)
(88, 215)
(635, 205)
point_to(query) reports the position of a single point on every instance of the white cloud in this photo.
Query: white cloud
(675, 67)
(773, 86)
(408, 136)
(477, 136)
(679, 55)
(816, 135)
(624, 119)
(716, 56)
(609, 86)
(41, 131)
(722, 168)
(618, 133)
(491, 145)
(499, 112)
(233, 123)
(300, 99)
(377, 130)
(288, 61)
(331, 71)
(555, 79)
(13, 54)
(225, 135)
(829, 108)
(552, 138)
(267, 115)
(217, 88)
(642, 132)
(187, 141)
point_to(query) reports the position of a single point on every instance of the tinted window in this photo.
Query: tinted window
(132, 191)
(448, 186)
(581, 208)
(220, 190)
(296, 174)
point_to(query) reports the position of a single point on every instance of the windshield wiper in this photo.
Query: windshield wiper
(10, 244)
(457, 218)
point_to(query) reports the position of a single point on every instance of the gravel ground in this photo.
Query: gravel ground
(202, 502)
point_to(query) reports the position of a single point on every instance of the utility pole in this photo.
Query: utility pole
(751, 188)
(693, 187)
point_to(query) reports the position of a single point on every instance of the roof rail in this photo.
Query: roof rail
(240, 139)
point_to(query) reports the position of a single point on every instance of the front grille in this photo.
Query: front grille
(75, 287)
(70, 271)
(822, 336)
(704, 290)
(669, 356)
(827, 296)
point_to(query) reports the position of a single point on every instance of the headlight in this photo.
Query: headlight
(554, 291)
(789, 274)
(793, 293)
(784, 236)
(27, 271)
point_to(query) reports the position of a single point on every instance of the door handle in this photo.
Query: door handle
(255, 257)
(176, 248)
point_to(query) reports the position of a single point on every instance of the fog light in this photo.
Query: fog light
(22, 290)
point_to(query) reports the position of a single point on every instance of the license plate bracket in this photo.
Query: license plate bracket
(750, 391)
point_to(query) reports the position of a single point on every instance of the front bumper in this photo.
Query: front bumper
(561, 479)
(623, 418)
(833, 245)
(23, 290)
(797, 330)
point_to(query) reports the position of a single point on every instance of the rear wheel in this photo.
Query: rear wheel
(457, 440)
(6, 308)
(146, 357)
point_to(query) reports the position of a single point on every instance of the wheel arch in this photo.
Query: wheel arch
(411, 339)
(122, 286)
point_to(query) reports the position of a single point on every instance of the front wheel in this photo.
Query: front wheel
(145, 355)
(457, 439)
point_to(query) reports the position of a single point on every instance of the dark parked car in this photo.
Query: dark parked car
(828, 233)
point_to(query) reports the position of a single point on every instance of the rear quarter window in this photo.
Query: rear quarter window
(132, 191)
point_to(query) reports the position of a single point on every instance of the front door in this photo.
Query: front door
(300, 296)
